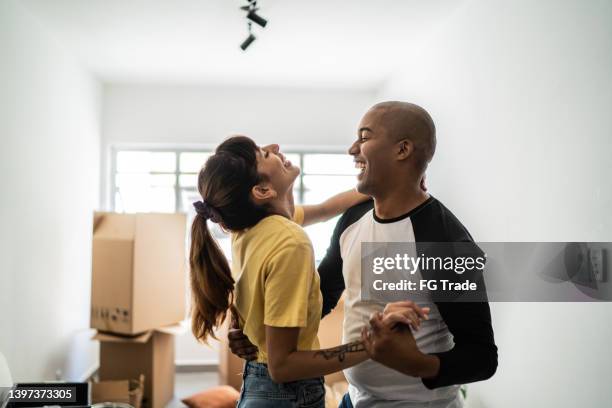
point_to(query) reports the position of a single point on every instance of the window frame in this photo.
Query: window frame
(206, 148)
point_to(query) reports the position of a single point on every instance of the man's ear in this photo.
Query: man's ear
(263, 193)
(404, 149)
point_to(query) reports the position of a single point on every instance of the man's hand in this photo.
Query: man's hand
(394, 345)
(239, 343)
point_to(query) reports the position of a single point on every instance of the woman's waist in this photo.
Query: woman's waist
(306, 342)
(258, 369)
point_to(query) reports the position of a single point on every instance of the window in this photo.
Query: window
(166, 181)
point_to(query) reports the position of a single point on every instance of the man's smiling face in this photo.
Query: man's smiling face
(373, 153)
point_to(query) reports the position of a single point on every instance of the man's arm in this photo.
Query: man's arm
(330, 271)
(474, 356)
(330, 268)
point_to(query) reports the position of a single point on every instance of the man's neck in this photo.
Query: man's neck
(399, 201)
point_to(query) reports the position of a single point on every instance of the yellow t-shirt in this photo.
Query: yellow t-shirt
(276, 282)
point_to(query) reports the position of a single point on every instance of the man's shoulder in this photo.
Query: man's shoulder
(436, 223)
(354, 214)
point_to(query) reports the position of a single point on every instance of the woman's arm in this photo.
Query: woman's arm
(332, 206)
(336, 205)
(286, 363)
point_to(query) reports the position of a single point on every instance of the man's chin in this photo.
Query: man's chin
(363, 187)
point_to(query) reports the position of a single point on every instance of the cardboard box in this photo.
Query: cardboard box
(126, 392)
(138, 271)
(150, 353)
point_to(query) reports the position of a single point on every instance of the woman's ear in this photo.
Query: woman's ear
(262, 193)
(404, 149)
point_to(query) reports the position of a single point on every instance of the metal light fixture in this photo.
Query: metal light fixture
(252, 17)
(249, 40)
(256, 18)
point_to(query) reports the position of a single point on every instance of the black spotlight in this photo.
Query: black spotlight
(257, 19)
(252, 17)
(249, 40)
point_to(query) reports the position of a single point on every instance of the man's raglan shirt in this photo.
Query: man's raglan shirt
(459, 333)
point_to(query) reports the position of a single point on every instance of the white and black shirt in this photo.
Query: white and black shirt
(459, 333)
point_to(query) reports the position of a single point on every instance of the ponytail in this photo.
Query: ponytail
(212, 285)
(225, 184)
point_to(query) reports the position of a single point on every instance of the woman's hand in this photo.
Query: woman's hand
(404, 312)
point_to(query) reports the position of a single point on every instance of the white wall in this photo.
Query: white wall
(191, 115)
(49, 171)
(521, 95)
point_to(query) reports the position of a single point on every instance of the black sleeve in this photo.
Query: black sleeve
(474, 356)
(330, 271)
(330, 268)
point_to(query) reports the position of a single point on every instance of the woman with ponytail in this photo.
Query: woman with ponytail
(272, 285)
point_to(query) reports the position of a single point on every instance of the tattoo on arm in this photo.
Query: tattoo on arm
(340, 351)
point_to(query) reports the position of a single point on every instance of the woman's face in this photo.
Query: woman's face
(279, 171)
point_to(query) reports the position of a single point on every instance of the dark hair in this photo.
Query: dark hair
(225, 184)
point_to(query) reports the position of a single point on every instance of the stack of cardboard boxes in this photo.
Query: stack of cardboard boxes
(138, 297)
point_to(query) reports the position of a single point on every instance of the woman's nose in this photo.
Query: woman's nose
(272, 148)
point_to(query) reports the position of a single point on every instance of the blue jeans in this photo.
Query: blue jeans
(259, 391)
(346, 401)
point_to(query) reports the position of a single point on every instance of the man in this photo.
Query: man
(455, 345)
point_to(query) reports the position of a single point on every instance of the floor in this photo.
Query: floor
(187, 384)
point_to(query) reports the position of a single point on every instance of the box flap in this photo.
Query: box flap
(175, 329)
(97, 218)
(114, 226)
(113, 338)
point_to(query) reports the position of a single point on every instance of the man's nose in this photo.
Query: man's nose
(354, 149)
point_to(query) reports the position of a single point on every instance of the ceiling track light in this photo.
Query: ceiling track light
(249, 40)
(252, 17)
(256, 18)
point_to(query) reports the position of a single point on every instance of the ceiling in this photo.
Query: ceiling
(327, 43)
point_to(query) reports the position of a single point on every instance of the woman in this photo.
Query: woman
(272, 282)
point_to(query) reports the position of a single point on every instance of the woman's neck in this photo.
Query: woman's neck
(283, 205)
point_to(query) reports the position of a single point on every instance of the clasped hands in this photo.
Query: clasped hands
(388, 340)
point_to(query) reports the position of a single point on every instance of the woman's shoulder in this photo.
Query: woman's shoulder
(281, 229)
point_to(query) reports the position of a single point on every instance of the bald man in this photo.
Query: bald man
(422, 368)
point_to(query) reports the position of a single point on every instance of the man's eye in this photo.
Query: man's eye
(266, 153)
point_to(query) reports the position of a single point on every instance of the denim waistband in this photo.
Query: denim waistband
(261, 370)
(255, 368)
